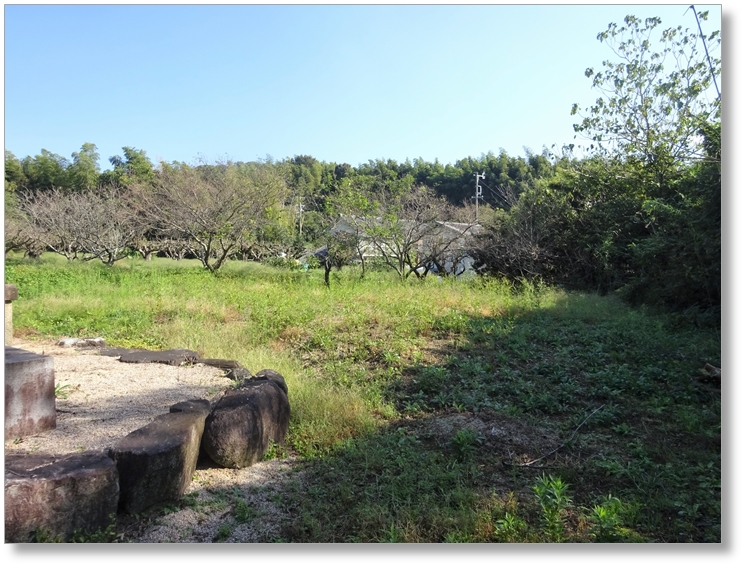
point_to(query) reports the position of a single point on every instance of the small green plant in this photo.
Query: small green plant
(510, 529)
(274, 451)
(244, 512)
(62, 391)
(390, 535)
(465, 443)
(103, 535)
(606, 520)
(44, 535)
(554, 500)
(458, 537)
(224, 531)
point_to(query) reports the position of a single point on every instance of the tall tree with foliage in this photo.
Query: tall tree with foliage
(84, 171)
(133, 167)
(641, 213)
(656, 128)
(653, 104)
(46, 171)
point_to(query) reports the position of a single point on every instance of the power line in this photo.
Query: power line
(706, 49)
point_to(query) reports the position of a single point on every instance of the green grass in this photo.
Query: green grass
(602, 397)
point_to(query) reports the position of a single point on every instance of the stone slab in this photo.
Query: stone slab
(59, 495)
(30, 406)
(156, 462)
(11, 292)
(173, 357)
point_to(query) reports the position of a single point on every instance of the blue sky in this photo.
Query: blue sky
(341, 83)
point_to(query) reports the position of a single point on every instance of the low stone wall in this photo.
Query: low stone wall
(58, 495)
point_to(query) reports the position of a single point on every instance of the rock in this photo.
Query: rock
(156, 462)
(30, 406)
(174, 357)
(221, 363)
(273, 376)
(59, 494)
(97, 342)
(239, 374)
(711, 374)
(198, 406)
(116, 351)
(240, 427)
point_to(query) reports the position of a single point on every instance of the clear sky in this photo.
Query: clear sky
(343, 83)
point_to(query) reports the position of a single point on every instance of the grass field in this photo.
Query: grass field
(433, 411)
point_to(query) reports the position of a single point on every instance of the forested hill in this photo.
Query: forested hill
(304, 173)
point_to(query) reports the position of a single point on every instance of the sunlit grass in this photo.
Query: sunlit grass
(367, 359)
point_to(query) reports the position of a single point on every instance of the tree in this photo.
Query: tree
(46, 171)
(340, 249)
(108, 225)
(99, 223)
(134, 167)
(84, 171)
(652, 104)
(656, 126)
(14, 176)
(20, 235)
(53, 217)
(215, 208)
(407, 233)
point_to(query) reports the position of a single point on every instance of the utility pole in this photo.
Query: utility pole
(479, 192)
(300, 209)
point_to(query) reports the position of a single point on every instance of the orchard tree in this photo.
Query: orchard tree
(216, 209)
(99, 223)
(108, 226)
(407, 232)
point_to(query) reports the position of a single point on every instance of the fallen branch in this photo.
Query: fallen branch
(560, 446)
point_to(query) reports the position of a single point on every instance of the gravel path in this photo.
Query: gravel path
(107, 399)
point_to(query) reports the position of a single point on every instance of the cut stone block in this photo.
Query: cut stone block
(58, 495)
(243, 422)
(11, 294)
(199, 406)
(29, 393)
(173, 357)
(156, 462)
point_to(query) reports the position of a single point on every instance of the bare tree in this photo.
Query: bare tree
(409, 232)
(521, 243)
(91, 224)
(52, 217)
(214, 208)
(20, 235)
(108, 224)
(448, 250)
